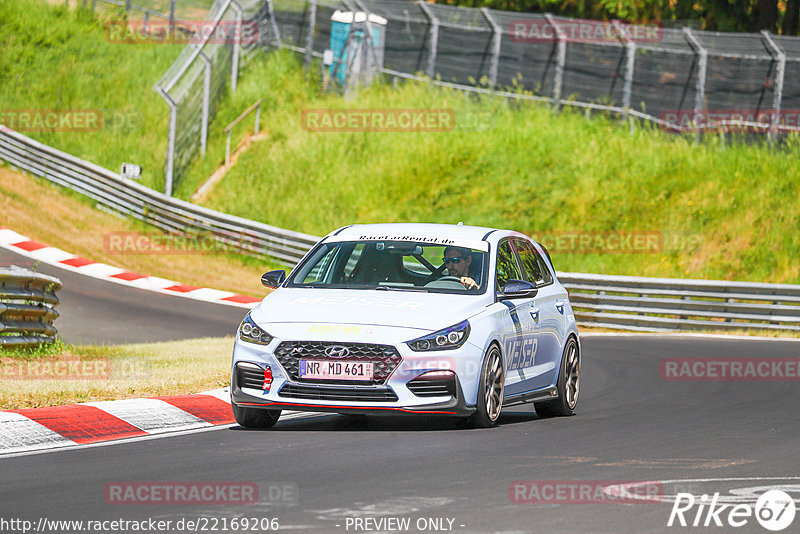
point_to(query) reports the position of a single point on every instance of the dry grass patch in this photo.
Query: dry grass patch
(96, 373)
(48, 214)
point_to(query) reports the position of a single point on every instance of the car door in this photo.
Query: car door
(520, 327)
(548, 308)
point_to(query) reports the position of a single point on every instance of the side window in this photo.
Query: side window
(507, 267)
(317, 274)
(530, 263)
(548, 277)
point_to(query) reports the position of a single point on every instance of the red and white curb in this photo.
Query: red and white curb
(72, 425)
(25, 246)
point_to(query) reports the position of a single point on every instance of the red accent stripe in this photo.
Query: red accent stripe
(206, 407)
(182, 288)
(337, 406)
(244, 299)
(128, 275)
(29, 245)
(82, 424)
(77, 261)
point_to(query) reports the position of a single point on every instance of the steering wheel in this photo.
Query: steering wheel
(450, 278)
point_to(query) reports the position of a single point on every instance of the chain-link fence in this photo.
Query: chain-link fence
(681, 79)
(684, 80)
(204, 70)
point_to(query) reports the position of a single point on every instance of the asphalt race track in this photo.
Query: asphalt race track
(98, 311)
(323, 473)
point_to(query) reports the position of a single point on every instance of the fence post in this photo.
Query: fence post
(630, 57)
(561, 60)
(779, 77)
(274, 23)
(206, 102)
(312, 23)
(237, 45)
(171, 18)
(497, 35)
(128, 6)
(173, 124)
(702, 65)
(431, 68)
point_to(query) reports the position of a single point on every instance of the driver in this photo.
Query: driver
(458, 261)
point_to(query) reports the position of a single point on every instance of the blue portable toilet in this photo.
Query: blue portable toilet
(356, 53)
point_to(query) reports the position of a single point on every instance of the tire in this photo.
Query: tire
(568, 385)
(490, 391)
(255, 417)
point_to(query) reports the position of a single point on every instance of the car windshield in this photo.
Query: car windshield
(394, 265)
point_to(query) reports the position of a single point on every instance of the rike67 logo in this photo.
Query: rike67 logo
(774, 510)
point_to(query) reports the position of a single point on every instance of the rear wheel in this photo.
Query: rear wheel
(568, 384)
(255, 417)
(490, 391)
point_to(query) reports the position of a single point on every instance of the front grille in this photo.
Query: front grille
(248, 377)
(300, 391)
(384, 358)
(429, 387)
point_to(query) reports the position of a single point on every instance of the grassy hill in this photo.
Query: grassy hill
(54, 58)
(721, 211)
(717, 211)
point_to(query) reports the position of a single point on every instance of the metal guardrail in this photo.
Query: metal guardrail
(170, 214)
(665, 304)
(27, 308)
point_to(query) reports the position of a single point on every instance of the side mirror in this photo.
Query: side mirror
(517, 289)
(273, 279)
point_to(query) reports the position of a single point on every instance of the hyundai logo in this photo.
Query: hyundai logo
(337, 351)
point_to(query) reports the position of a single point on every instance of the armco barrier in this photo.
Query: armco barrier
(626, 302)
(125, 196)
(665, 304)
(27, 307)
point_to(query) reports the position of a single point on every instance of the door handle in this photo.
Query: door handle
(535, 314)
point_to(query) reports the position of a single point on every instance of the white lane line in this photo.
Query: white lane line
(71, 446)
(20, 434)
(51, 254)
(154, 416)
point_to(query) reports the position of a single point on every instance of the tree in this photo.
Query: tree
(791, 18)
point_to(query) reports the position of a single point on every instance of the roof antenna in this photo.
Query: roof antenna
(460, 223)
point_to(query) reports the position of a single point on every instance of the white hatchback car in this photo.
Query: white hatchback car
(410, 319)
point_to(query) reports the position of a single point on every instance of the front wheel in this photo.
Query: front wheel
(490, 391)
(568, 384)
(255, 417)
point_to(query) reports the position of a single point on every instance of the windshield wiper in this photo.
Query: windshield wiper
(390, 288)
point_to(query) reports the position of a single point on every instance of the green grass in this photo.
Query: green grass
(58, 58)
(726, 212)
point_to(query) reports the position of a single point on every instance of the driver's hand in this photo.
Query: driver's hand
(468, 282)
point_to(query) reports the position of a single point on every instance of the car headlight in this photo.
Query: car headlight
(448, 338)
(250, 332)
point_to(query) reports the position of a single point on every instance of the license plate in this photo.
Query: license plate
(328, 370)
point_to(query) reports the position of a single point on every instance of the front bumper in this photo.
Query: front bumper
(453, 407)
(465, 362)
